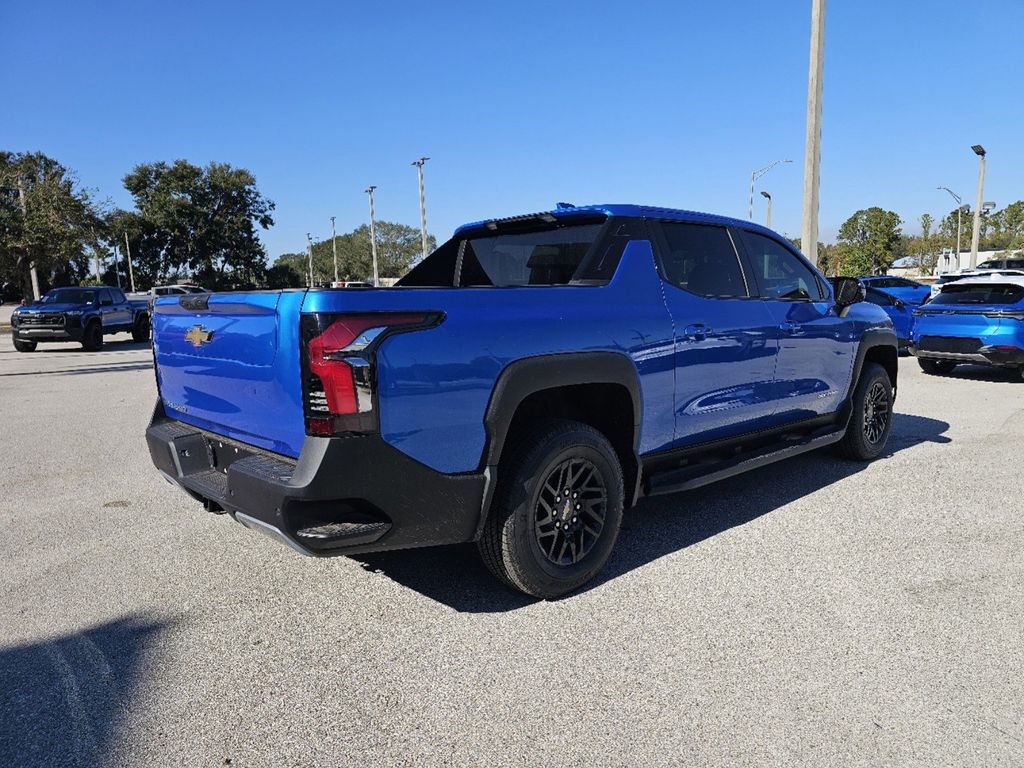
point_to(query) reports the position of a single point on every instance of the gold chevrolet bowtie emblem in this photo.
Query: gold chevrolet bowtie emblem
(197, 336)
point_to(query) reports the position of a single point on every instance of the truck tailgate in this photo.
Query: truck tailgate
(229, 363)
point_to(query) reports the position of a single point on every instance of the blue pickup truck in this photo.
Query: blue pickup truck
(520, 387)
(84, 315)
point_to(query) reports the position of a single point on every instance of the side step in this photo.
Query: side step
(694, 476)
(342, 533)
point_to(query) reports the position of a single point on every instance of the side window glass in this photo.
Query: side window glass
(104, 296)
(780, 272)
(879, 298)
(701, 259)
(118, 296)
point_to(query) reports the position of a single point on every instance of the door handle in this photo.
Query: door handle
(697, 332)
(789, 327)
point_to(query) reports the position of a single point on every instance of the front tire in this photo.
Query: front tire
(24, 346)
(92, 340)
(557, 509)
(936, 367)
(871, 417)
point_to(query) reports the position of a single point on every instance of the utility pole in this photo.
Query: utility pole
(334, 247)
(423, 208)
(754, 177)
(128, 253)
(32, 262)
(373, 231)
(117, 266)
(812, 140)
(768, 218)
(309, 247)
(959, 210)
(976, 231)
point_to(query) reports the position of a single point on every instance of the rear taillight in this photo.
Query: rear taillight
(339, 379)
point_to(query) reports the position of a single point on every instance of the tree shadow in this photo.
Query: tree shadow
(61, 700)
(658, 526)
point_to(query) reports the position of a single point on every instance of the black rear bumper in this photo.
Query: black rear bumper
(342, 496)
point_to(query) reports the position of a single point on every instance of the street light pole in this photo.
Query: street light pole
(373, 232)
(334, 246)
(812, 141)
(976, 230)
(309, 247)
(754, 177)
(768, 197)
(423, 208)
(959, 210)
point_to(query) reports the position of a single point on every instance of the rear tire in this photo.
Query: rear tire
(24, 346)
(537, 538)
(92, 339)
(936, 367)
(140, 332)
(871, 417)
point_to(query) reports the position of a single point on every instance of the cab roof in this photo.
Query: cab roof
(567, 213)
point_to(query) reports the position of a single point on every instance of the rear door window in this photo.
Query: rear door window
(701, 259)
(781, 274)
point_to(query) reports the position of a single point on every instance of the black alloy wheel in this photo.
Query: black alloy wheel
(570, 513)
(877, 410)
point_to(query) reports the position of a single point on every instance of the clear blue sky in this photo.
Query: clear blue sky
(523, 104)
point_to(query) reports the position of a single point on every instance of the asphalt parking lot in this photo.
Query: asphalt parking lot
(816, 612)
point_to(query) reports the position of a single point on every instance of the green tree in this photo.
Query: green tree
(874, 240)
(200, 220)
(48, 223)
(398, 248)
(1008, 226)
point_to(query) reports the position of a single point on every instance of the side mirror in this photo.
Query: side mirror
(899, 304)
(848, 291)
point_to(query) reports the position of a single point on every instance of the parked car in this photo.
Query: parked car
(907, 291)
(84, 314)
(901, 314)
(974, 320)
(351, 284)
(952, 277)
(1013, 262)
(520, 387)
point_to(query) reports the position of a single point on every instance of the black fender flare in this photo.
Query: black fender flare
(527, 376)
(872, 339)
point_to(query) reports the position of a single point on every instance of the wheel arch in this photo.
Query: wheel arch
(570, 385)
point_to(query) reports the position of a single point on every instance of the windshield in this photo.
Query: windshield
(70, 296)
(995, 293)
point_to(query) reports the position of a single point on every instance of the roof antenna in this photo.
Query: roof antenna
(563, 206)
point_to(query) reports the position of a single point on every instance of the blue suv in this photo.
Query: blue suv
(520, 388)
(974, 320)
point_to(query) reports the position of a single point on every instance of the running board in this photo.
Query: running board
(694, 476)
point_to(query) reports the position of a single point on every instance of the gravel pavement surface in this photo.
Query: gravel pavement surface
(813, 613)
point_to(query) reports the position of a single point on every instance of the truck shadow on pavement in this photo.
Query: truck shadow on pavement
(983, 373)
(62, 700)
(657, 526)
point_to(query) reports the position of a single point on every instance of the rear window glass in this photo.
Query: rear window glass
(997, 293)
(556, 255)
(530, 258)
